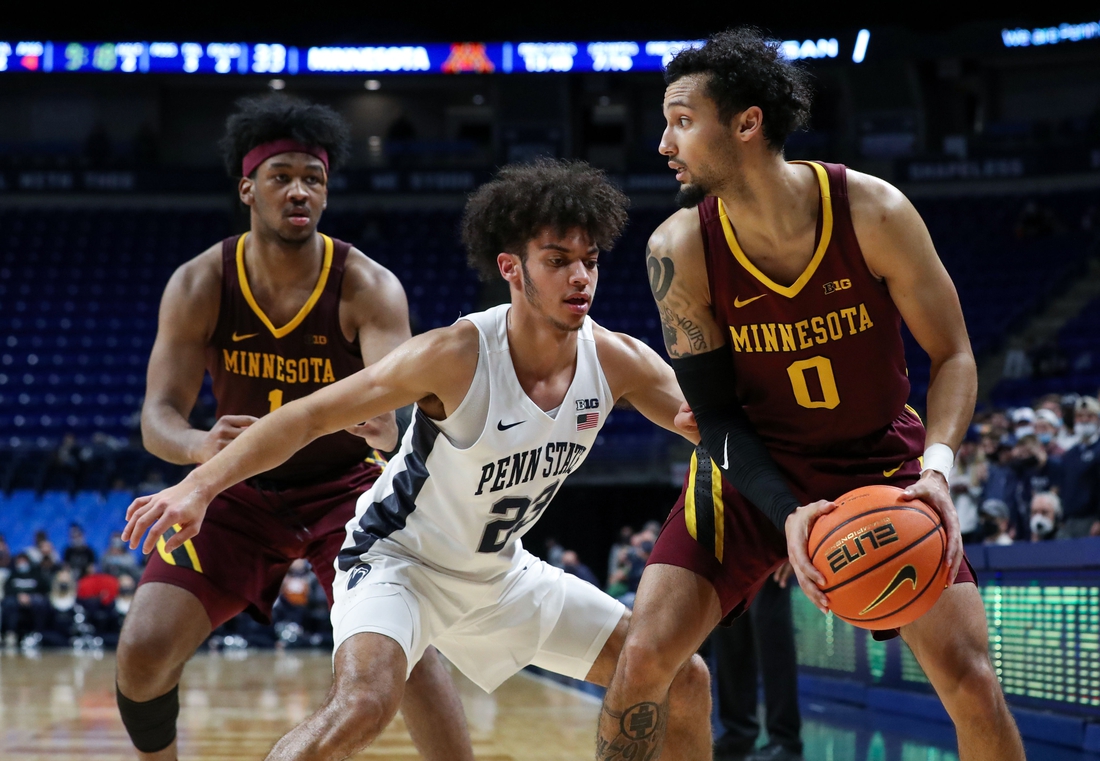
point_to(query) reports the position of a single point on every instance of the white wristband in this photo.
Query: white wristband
(940, 458)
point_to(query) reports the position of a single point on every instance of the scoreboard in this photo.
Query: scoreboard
(439, 58)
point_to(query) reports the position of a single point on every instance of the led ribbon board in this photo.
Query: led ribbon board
(434, 58)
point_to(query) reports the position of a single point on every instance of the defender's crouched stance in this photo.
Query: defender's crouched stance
(509, 403)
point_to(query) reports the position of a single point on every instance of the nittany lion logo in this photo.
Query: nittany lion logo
(357, 574)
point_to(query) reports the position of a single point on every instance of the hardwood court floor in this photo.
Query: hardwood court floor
(61, 706)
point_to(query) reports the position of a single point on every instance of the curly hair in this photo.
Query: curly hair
(522, 199)
(746, 69)
(265, 118)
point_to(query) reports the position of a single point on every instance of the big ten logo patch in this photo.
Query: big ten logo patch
(837, 285)
(859, 542)
(587, 404)
(317, 340)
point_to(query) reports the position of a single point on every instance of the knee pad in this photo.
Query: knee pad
(152, 724)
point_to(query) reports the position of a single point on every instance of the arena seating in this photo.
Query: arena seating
(79, 290)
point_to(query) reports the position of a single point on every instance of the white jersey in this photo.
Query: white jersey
(461, 506)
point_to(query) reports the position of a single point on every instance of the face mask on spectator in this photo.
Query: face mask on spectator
(1041, 525)
(22, 567)
(1085, 430)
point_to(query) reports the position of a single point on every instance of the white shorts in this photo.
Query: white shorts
(534, 614)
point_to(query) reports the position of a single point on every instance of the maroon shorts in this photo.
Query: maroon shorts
(718, 534)
(251, 535)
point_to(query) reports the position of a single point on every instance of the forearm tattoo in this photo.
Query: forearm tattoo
(671, 302)
(638, 733)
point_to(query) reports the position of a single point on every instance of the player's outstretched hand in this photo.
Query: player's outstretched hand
(224, 431)
(181, 505)
(380, 432)
(798, 528)
(932, 489)
(685, 420)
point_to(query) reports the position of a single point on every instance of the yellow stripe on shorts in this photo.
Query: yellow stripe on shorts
(185, 556)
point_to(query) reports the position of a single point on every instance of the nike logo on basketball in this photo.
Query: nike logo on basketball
(907, 573)
(726, 453)
(502, 427)
(738, 303)
(241, 338)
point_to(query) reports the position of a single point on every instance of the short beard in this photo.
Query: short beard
(531, 293)
(691, 195)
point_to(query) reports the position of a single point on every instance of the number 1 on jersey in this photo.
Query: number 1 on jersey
(801, 388)
(276, 399)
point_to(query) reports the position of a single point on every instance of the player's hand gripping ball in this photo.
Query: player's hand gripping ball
(883, 558)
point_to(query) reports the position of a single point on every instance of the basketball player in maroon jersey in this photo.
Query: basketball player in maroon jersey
(781, 298)
(272, 315)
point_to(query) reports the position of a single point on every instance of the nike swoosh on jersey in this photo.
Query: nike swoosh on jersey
(726, 453)
(241, 338)
(738, 303)
(502, 427)
(907, 573)
(889, 473)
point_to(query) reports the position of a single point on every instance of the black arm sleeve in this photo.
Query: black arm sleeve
(707, 382)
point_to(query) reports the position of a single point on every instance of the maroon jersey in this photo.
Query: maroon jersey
(820, 362)
(257, 367)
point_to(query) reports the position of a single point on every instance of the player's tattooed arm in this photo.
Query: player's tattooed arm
(678, 281)
(636, 733)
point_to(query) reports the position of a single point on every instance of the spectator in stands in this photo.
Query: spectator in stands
(96, 585)
(24, 608)
(613, 558)
(553, 552)
(127, 585)
(293, 602)
(571, 563)
(300, 615)
(42, 549)
(998, 522)
(1001, 482)
(641, 545)
(97, 592)
(63, 609)
(616, 579)
(5, 563)
(966, 483)
(78, 555)
(118, 559)
(1023, 422)
(1046, 513)
(1048, 425)
(1080, 474)
(1035, 472)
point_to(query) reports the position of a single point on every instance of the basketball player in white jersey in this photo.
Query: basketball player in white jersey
(509, 402)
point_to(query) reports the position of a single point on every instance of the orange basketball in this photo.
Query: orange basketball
(884, 559)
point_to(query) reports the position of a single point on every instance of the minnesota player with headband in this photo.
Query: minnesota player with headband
(272, 315)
